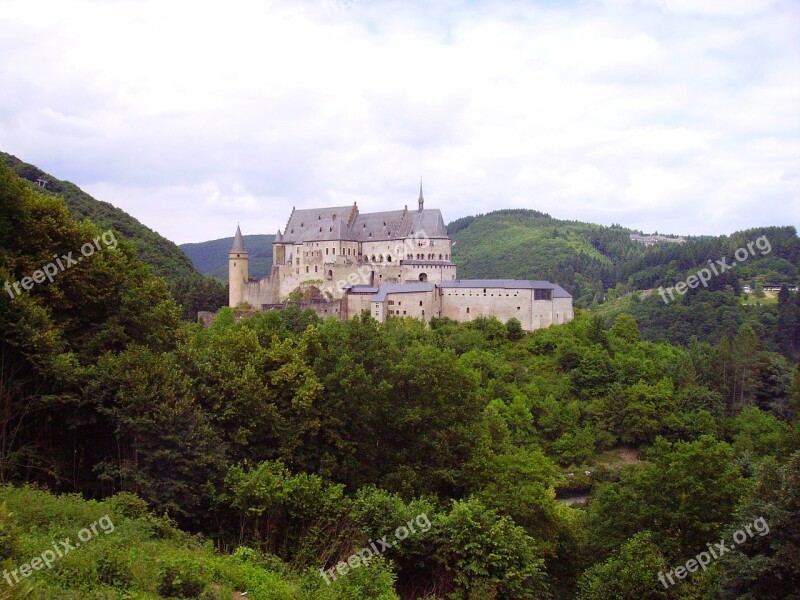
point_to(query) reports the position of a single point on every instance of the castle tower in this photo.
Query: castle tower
(238, 261)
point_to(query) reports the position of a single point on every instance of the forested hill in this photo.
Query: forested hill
(528, 244)
(211, 258)
(589, 259)
(191, 290)
(166, 259)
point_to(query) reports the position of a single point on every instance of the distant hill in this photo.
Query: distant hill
(211, 258)
(528, 244)
(166, 259)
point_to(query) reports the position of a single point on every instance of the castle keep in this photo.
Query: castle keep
(394, 263)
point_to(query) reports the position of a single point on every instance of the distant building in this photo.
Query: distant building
(341, 263)
(650, 240)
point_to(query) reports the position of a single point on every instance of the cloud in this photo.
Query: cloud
(662, 114)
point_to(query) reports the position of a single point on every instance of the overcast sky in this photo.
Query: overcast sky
(681, 116)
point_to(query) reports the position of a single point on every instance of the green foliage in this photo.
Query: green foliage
(489, 556)
(765, 565)
(630, 574)
(684, 496)
(759, 433)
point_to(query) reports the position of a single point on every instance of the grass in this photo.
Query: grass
(144, 557)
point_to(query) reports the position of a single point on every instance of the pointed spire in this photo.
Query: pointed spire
(238, 242)
(279, 237)
(421, 199)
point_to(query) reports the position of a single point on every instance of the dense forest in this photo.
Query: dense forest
(291, 457)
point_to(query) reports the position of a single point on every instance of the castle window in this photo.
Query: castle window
(420, 302)
(388, 258)
(306, 269)
(518, 308)
(440, 257)
(468, 310)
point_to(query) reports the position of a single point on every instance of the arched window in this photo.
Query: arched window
(373, 258)
(388, 258)
(440, 257)
(423, 277)
(329, 276)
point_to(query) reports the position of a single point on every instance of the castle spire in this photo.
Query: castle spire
(238, 242)
(421, 199)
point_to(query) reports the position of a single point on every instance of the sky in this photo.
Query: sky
(675, 116)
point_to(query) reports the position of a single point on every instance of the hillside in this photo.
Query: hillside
(167, 260)
(211, 258)
(588, 259)
(132, 553)
(527, 244)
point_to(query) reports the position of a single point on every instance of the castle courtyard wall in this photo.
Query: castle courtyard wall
(466, 304)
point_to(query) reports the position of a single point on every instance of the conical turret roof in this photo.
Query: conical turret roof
(238, 246)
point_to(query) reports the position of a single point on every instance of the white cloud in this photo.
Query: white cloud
(658, 114)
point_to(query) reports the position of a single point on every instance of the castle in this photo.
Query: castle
(341, 263)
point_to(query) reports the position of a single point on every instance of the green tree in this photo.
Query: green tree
(629, 574)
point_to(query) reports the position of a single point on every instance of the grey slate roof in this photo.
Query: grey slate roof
(238, 243)
(401, 288)
(514, 284)
(508, 284)
(346, 223)
(304, 224)
(559, 292)
(327, 231)
(362, 289)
